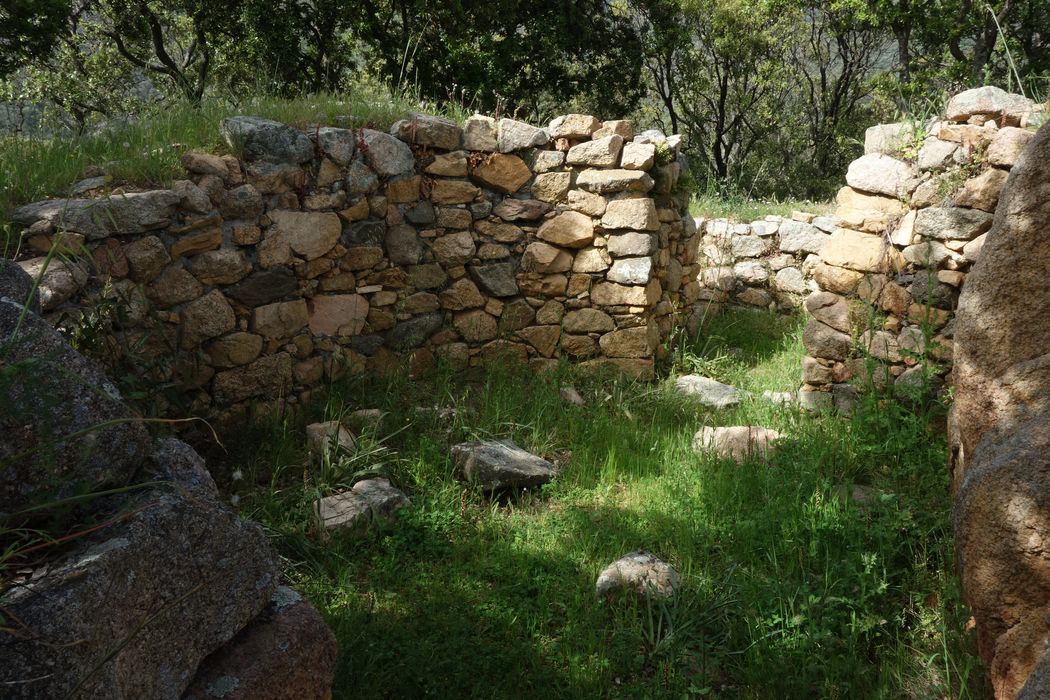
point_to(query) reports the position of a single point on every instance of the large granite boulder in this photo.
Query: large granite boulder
(286, 652)
(1002, 530)
(17, 286)
(66, 430)
(1037, 686)
(159, 574)
(1001, 337)
(135, 607)
(999, 431)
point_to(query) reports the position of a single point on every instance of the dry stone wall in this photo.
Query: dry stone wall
(881, 276)
(921, 277)
(328, 250)
(764, 264)
(913, 218)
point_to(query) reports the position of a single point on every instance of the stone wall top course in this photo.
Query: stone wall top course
(335, 250)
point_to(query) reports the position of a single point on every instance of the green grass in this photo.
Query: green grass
(745, 209)
(788, 591)
(146, 151)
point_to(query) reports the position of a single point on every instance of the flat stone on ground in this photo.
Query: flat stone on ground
(368, 501)
(570, 395)
(322, 437)
(498, 465)
(781, 398)
(738, 443)
(707, 391)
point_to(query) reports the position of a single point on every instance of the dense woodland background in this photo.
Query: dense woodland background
(771, 95)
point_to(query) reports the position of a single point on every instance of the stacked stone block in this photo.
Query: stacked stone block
(911, 221)
(765, 264)
(329, 250)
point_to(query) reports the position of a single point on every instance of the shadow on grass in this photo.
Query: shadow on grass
(755, 334)
(788, 592)
(475, 612)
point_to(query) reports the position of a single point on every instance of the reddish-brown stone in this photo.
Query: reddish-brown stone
(286, 653)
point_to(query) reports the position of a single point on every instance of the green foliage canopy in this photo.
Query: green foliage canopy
(771, 95)
(28, 30)
(522, 56)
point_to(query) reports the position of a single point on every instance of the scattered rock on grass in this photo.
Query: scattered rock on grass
(707, 391)
(863, 497)
(497, 465)
(738, 442)
(365, 420)
(352, 511)
(781, 398)
(320, 437)
(444, 413)
(639, 573)
(570, 395)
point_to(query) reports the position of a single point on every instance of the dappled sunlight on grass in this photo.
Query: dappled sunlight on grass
(789, 589)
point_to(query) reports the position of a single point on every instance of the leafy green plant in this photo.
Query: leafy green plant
(338, 467)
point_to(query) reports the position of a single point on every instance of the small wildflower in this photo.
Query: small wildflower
(237, 475)
(235, 499)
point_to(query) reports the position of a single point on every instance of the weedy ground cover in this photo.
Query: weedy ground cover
(824, 572)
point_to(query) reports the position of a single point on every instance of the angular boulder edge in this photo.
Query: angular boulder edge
(170, 575)
(500, 465)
